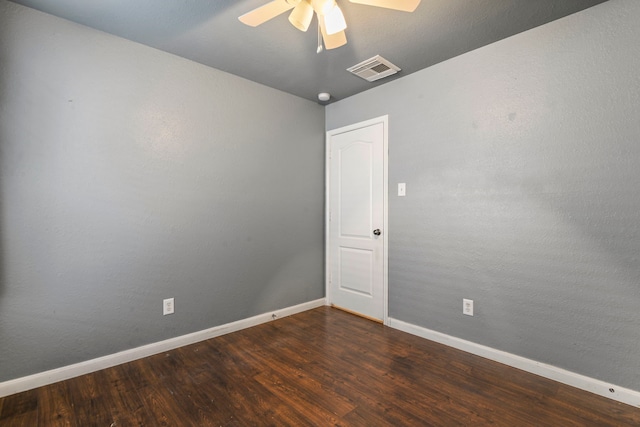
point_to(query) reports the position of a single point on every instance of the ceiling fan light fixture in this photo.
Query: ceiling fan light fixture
(334, 20)
(301, 15)
(322, 7)
(331, 22)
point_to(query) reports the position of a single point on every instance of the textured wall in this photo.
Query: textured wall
(128, 175)
(522, 164)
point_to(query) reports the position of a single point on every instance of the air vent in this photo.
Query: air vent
(374, 69)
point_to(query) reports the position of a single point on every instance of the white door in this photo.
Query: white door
(356, 228)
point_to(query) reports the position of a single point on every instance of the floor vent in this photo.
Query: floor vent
(374, 69)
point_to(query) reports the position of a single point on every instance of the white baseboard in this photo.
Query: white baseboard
(620, 394)
(60, 374)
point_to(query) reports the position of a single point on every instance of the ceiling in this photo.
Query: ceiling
(280, 56)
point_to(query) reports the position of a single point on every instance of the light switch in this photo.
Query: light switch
(402, 189)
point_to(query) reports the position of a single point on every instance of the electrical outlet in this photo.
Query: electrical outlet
(168, 306)
(467, 307)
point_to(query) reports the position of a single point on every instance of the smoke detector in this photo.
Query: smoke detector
(374, 69)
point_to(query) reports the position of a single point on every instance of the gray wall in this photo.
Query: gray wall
(128, 175)
(522, 164)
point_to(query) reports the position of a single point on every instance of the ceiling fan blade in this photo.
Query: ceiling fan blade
(301, 16)
(331, 41)
(403, 5)
(264, 13)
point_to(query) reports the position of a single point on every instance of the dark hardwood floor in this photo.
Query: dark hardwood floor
(318, 368)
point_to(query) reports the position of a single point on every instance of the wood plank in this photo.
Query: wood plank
(20, 409)
(320, 367)
(127, 409)
(54, 406)
(355, 313)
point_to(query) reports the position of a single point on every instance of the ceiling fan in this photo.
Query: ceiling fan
(331, 21)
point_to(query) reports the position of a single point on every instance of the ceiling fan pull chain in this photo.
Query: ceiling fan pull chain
(319, 38)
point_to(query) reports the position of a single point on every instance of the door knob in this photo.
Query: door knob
(377, 232)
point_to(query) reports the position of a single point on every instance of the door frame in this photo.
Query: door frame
(385, 197)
